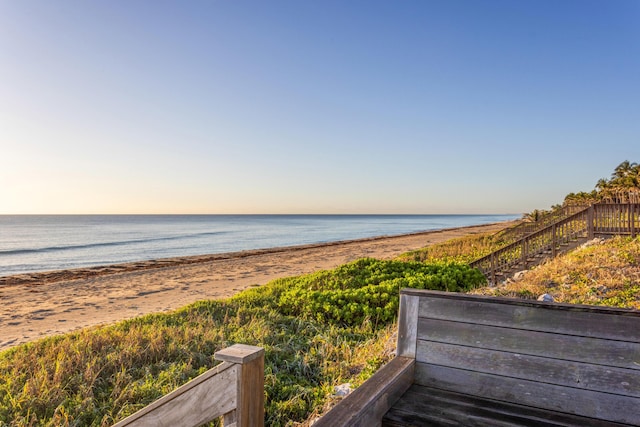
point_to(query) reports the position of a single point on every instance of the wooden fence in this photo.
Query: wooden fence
(596, 220)
(613, 219)
(232, 390)
(545, 220)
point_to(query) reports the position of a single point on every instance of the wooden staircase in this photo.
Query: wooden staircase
(560, 236)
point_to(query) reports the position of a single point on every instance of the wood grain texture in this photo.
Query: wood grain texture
(366, 405)
(595, 322)
(205, 398)
(425, 406)
(484, 361)
(586, 403)
(407, 326)
(239, 353)
(250, 410)
(579, 375)
(599, 351)
(233, 390)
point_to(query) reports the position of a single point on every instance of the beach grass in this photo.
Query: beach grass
(100, 375)
(462, 249)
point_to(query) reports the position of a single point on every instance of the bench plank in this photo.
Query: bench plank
(534, 368)
(427, 406)
(596, 322)
(591, 404)
(557, 346)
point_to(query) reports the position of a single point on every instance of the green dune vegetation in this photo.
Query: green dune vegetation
(318, 331)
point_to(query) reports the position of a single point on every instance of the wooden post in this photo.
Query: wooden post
(407, 326)
(553, 241)
(493, 268)
(632, 220)
(590, 222)
(524, 254)
(250, 405)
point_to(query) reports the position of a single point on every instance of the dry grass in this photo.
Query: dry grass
(462, 249)
(601, 273)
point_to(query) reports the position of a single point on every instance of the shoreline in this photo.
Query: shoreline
(35, 305)
(51, 276)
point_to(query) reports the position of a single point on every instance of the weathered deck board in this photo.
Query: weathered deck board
(596, 322)
(556, 346)
(407, 326)
(424, 406)
(587, 403)
(578, 375)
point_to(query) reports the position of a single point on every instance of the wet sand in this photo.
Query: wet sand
(42, 304)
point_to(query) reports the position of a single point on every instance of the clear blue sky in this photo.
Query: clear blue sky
(313, 106)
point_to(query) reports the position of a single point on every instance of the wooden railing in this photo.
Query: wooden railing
(613, 219)
(233, 390)
(595, 220)
(527, 227)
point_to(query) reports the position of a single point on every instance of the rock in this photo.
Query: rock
(343, 390)
(596, 241)
(519, 275)
(546, 298)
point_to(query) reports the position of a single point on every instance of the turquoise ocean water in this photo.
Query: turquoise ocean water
(31, 243)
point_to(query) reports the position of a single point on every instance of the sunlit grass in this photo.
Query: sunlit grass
(462, 249)
(100, 375)
(606, 273)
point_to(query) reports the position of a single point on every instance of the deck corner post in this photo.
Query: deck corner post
(250, 398)
(407, 326)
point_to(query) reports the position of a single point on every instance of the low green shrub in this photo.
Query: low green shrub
(369, 289)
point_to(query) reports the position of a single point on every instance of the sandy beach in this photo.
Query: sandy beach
(42, 304)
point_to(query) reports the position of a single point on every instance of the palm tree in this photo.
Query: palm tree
(624, 185)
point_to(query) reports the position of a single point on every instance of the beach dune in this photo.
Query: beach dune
(43, 304)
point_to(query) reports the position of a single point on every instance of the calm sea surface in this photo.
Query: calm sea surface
(30, 243)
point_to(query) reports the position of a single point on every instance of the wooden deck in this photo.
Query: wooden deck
(484, 361)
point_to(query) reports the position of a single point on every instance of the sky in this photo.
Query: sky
(233, 106)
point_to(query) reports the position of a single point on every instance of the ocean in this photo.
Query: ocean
(32, 243)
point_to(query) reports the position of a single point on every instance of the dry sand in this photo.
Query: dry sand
(42, 304)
